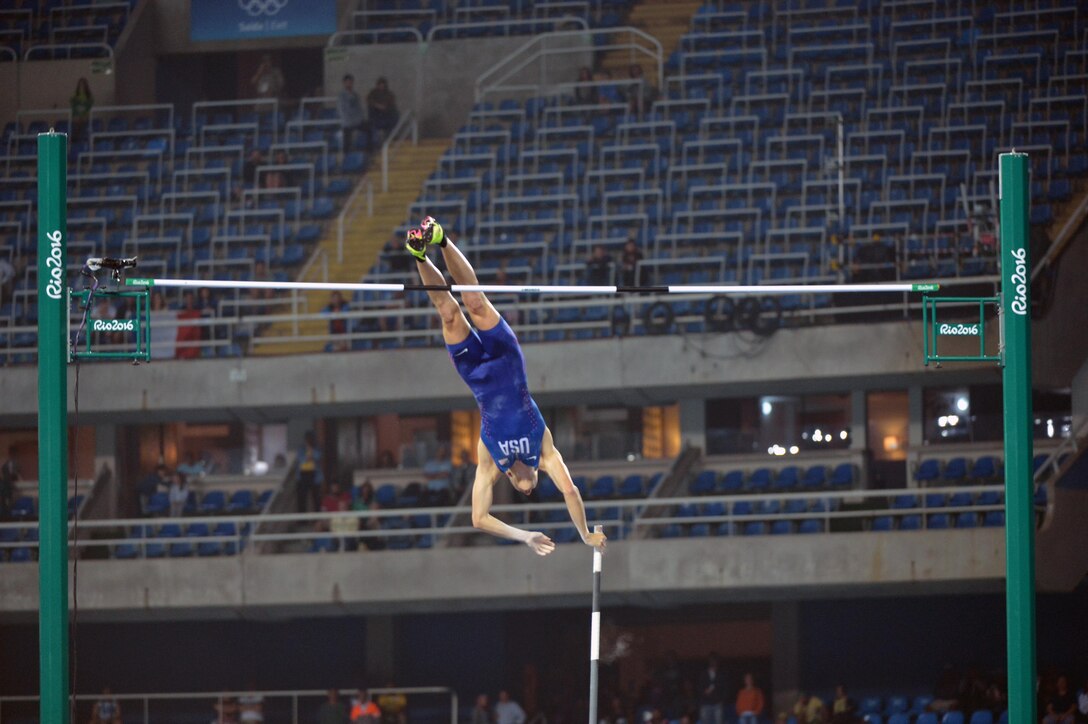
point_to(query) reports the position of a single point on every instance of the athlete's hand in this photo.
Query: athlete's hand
(597, 540)
(541, 544)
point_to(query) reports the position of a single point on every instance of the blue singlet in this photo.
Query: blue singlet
(492, 365)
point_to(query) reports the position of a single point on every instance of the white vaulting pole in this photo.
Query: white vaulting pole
(595, 631)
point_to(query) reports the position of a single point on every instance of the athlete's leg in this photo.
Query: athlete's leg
(455, 327)
(480, 309)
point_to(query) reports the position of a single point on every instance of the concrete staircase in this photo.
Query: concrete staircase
(666, 20)
(363, 240)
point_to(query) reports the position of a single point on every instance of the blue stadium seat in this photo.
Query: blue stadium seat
(324, 545)
(927, 718)
(883, 523)
(967, 520)
(781, 527)
(815, 477)
(787, 479)
(904, 501)
(603, 487)
(984, 469)
(955, 471)
(386, 496)
(993, 519)
(910, 522)
(898, 719)
(631, 487)
(704, 483)
(897, 705)
(213, 502)
(760, 480)
(939, 521)
(920, 704)
(952, 717)
(755, 527)
(843, 476)
(928, 471)
(732, 482)
(241, 502)
(21, 555)
(811, 525)
(24, 508)
(982, 717)
(158, 504)
(870, 705)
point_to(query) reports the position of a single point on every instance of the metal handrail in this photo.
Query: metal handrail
(69, 47)
(638, 512)
(485, 84)
(346, 215)
(339, 35)
(506, 24)
(219, 696)
(406, 124)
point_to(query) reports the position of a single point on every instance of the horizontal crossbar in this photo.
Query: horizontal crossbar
(737, 289)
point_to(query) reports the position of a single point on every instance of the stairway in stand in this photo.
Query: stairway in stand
(363, 240)
(666, 20)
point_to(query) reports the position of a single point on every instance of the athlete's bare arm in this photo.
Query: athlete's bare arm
(551, 462)
(482, 493)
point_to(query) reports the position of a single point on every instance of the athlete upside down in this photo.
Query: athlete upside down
(513, 437)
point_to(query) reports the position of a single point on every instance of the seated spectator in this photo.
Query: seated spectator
(599, 268)
(1062, 705)
(438, 471)
(188, 335)
(345, 525)
(330, 503)
(332, 711)
(810, 709)
(9, 476)
(106, 710)
(192, 467)
(945, 696)
(639, 87)
(585, 95)
(1082, 703)
(394, 706)
(749, 702)
(249, 167)
(158, 478)
(365, 501)
(843, 708)
(608, 93)
(179, 495)
(208, 306)
(508, 711)
(338, 326)
(632, 255)
(381, 105)
(364, 710)
(226, 711)
(481, 713)
(251, 706)
(268, 81)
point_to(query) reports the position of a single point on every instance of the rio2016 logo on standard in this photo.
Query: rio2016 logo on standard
(53, 263)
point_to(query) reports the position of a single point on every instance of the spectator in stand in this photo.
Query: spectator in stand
(267, 82)
(249, 167)
(381, 105)
(810, 709)
(350, 107)
(945, 696)
(346, 525)
(1082, 703)
(639, 86)
(363, 709)
(159, 478)
(608, 93)
(481, 713)
(386, 460)
(208, 306)
(106, 710)
(332, 711)
(9, 476)
(508, 711)
(81, 103)
(226, 711)
(331, 501)
(749, 701)
(192, 467)
(179, 494)
(599, 268)
(364, 500)
(394, 706)
(585, 95)
(338, 326)
(711, 692)
(308, 482)
(189, 336)
(1062, 705)
(843, 708)
(617, 712)
(251, 706)
(438, 471)
(278, 178)
(632, 255)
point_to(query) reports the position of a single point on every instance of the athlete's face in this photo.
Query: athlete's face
(522, 477)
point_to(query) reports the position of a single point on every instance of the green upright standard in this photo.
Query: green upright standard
(53, 426)
(1019, 507)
